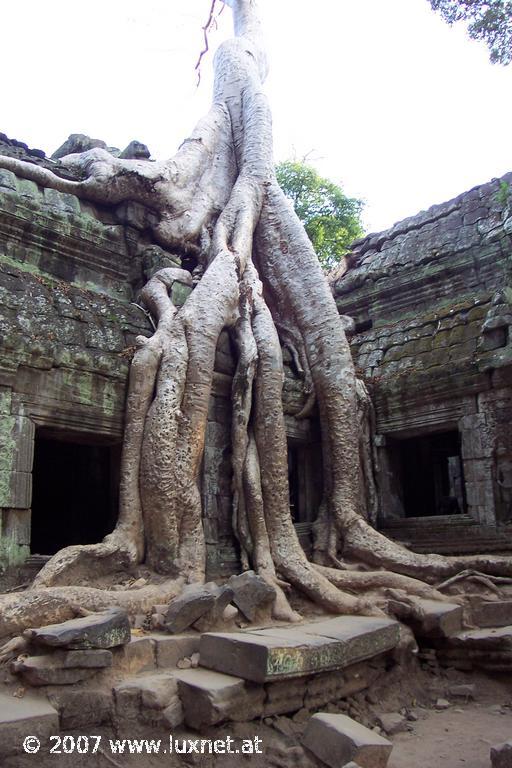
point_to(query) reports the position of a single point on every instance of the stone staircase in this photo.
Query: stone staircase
(246, 674)
(486, 646)
(242, 676)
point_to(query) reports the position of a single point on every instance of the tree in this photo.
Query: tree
(217, 201)
(331, 219)
(488, 20)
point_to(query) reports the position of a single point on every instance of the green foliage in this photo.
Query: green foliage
(488, 20)
(331, 219)
(503, 194)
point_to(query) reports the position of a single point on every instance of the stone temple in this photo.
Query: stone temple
(431, 301)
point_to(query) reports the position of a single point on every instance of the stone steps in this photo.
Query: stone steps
(278, 653)
(487, 648)
(22, 717)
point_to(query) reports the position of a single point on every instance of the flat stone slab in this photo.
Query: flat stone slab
(54, 669)
(106, 629)
(280, 652)
(493, 614)
(337, 740)
(29, 716)
(497, 639)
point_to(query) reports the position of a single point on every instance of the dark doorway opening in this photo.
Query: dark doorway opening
(431, 475)
(75, 491)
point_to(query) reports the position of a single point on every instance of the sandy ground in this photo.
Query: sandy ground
(459, 736)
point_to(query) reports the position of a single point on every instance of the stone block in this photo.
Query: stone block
(392, 722)
(285, 696)
(492, 614)
(50, 669)
(501, 755)
(276, 653)
(82, 708)
(337, 739)
(169, 650)
(152, 699)
(209, 698)
(106, 629)
(331, 686)
(251, 594)
(488, 640)
(29, 716)
(188, 607)
(438, 619)
(139, 655)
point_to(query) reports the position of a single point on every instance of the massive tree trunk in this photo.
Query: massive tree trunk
(218, 199)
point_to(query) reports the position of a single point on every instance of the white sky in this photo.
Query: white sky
(399, 108)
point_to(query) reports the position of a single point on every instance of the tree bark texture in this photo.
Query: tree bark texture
(218, 200)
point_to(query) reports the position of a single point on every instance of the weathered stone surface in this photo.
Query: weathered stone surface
(29, 716)
(285, 696)
(215, 618)
(501, 755)
(82, 708)
(210, 697)
(499, 639)
(493, 614)
(152, 699)
(188, 607)
(139, 655)
(251, 594)
(89, 659)
(466, 691)
(77, 142)
(392, 722)
(50, 669)
(264, 655)
(169, 650)
(337, 740)
(106, 629)
(438, 620)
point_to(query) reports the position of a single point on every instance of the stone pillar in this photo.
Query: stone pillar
(16, 459)
(478, 442)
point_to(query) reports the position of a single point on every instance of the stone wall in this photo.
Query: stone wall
(431, 298)
(70, 273)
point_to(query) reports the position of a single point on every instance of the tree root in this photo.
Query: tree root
(39, 607)
(218, 199)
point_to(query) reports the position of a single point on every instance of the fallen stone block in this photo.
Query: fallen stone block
(82, 708)
(392, 722)
(49, 669)
(188, 607)
(209, 698)
(106, 629)
(501, 755)
(492, 614)
(214, 618)
(337, 739)
(251, 594)
(29, 716)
